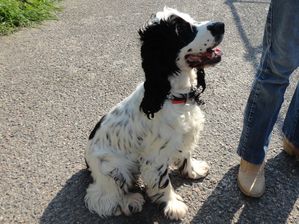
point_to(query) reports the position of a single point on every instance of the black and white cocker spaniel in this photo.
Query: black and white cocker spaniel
(159, 124)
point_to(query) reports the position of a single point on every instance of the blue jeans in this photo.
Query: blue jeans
(280, 58)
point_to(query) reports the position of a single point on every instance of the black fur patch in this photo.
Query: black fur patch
(98, 125)
(87, 166)
(165, 184)
(162, 175)
(201, 82)
(182, 167)
(118, 177)
(162, 205)
(157, 196)
(161, 43)
(160, 168)
(130, 208)
(164, 145)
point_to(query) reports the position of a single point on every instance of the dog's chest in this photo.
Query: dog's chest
(183, 118)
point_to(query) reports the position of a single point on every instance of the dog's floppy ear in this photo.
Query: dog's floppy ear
(201, 82)
(158, 62)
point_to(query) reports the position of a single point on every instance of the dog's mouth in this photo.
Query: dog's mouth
(210, 57)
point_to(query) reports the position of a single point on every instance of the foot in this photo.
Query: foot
(290, 148)
(175, 208)
(132, 203)
(199, 169)
(194, 169)
(251, 179)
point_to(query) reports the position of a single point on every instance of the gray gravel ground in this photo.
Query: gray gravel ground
(57, 80)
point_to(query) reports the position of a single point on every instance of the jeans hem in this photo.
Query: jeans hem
(249, 158)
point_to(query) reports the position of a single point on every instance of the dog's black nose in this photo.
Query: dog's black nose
(216, 28)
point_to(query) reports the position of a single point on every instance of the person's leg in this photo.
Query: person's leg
(291, 126)
(279, 60)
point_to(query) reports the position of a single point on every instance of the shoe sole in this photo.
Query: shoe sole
(249, 194)
(289, 149)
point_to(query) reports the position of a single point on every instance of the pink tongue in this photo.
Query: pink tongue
(217, 51)
(210, 54)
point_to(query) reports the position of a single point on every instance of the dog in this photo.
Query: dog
(159, 124)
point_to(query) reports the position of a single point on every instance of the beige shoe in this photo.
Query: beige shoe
(251, 179)
(290, 149)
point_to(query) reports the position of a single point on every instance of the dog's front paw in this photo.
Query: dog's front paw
(175, 209)
(199, 169)
(133, 203)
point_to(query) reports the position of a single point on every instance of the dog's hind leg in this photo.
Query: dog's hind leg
(103, 195)
(109, 194)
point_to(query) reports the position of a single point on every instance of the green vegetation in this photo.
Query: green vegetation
(20, 13)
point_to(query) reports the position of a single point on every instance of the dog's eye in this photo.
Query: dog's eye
(180, 24)
(186, 32)
(183, 28)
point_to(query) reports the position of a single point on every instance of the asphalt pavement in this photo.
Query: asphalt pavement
(58, 79)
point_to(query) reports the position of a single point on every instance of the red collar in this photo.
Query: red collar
(193, 96)
(178, 101)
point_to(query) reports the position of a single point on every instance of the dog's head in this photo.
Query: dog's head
(173, 42)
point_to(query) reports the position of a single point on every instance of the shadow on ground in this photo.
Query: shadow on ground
(252, 52)
(227, 205)
(68, 206)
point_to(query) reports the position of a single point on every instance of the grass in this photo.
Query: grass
(22, 13)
